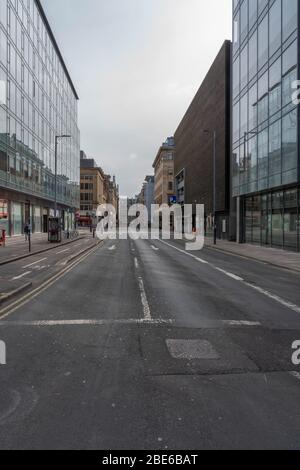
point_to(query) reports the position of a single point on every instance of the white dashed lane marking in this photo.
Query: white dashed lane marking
(22, 275)
(262, 291)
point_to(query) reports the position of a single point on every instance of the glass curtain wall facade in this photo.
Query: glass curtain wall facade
(37, 102)
(265, 127)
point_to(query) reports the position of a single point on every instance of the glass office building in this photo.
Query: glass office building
(38, 101)
(265, 127)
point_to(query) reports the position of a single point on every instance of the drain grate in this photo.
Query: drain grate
(191, 349)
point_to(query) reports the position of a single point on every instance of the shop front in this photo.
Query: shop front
(4, 216)
(273, 219)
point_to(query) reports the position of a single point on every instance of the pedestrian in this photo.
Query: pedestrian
(26, 231)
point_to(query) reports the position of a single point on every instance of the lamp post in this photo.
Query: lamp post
(214, 135)
(57, 137)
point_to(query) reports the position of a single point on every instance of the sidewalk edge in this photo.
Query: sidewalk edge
(12, 260)
(14, 293)
(279, 266)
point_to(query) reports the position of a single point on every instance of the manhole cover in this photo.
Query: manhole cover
(191, 349)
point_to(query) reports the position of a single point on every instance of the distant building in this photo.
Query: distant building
(164, 173)
(146, 196)
(208, 113)
(111, 190)
(92, 189)
(149, 194)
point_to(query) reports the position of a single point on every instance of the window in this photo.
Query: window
(236, 32)
(236, 77)
(275, 87)
(263, 158)
(244, 115)
(275, 27)
(289, 146)
(253, 56)
(252, 153)
(252, 12)
(263, 42)
(275, 152)
(252, 119)
(244, 67)
(244, 20)
(287, 90)
(263, 98)
(289, 17)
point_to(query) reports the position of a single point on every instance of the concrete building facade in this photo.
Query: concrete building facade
(92, 187)
(208, 114)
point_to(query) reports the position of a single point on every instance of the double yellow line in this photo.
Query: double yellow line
(11, 308)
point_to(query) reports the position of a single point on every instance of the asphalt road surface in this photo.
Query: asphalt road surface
(141, 345)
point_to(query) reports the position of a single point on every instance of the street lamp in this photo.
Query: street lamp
(57, 137)
(214, 134)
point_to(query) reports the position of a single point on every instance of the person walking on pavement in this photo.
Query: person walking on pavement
(26, 231)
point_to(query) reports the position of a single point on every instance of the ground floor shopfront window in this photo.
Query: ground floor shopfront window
(4, 216)
(273, 219)
(17, 218)
(37, 220)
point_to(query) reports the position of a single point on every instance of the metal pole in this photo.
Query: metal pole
(29, 239)
(215, 206)
(55, 178)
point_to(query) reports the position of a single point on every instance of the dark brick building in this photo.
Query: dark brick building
(209, 111)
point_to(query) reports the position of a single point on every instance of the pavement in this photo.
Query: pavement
(141, 345)
(17, 247)
(281, 258)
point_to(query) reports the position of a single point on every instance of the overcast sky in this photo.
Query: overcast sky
(136, 65)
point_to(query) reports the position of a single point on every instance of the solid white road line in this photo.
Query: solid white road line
(22, 275)
(278, 299)
(130, 321)
(240, 323)
(185, 252)
(233, 276)
(264, 292)
(32, 264)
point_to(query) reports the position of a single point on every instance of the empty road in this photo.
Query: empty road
(142, 345)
